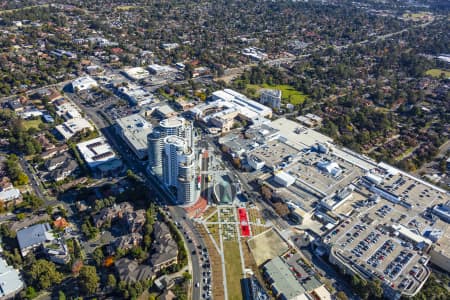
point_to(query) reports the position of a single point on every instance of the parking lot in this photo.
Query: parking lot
(370, 244)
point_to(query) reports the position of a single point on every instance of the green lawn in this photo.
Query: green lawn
(127, 7)
(288, 93)
(233, 269)
(415, 16)
(437, 72)
(32, 123)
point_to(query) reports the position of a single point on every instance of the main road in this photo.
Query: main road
(105, 125)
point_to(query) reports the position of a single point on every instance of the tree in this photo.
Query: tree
(112, 282)
(98, 256)
(266, 192)
(33, 201)
(88, 279)
(22, 179)
(341, 295)
(44, 274)
(187, 276)
(61, 295)
(375, 289)
(281, 209)
(30, 293)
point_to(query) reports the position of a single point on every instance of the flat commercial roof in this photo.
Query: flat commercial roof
(96, 151)
(241, 102)
(274, 152)
(73, 126)
(84, 83)
(297, 135)
(136, 73)
(10, 194)
(135, 130)
(10, 281)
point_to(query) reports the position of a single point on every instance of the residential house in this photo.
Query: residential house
(64, 171)
(56, 161)
(60, 223)
(53, 152)
(135, 220)
(44, 142)
(128, 241)
(15, 105)
(131, 271)
(81, 206)
(164, 282)
(164, 250)
(57, 251)
(5, 183)
(107, 214)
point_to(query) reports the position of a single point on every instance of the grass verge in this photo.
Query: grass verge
(437, 73)
(288, 93)
(233, 269)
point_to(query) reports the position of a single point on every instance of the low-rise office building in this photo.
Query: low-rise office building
(226, 106)
(34, 236)
(99, 156)
(71, 127)
(83, 84)
(138, 96)
(136, 73)
(11, 282)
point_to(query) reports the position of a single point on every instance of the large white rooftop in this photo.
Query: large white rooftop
(96, 151)
(136, 73)
(136, 94)
(297, 135)
(134, 129)
(10, 280)
(73, 126)
(242, 102)
(84, 83)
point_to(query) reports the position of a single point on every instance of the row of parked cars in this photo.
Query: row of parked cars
(366, 244)
(386, 249)
(395, 267)
(359, 228)
(383, 211)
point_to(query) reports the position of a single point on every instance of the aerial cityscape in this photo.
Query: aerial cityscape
(226, 150)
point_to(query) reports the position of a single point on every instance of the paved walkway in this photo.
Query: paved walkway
(222, 258)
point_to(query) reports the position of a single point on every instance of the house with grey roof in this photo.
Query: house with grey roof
(131, 271)
(64, 171)
(164, 251)
(34, 236)
(10, 281)
(56, 161)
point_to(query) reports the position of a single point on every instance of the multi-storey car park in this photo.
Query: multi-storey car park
(371, 219)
